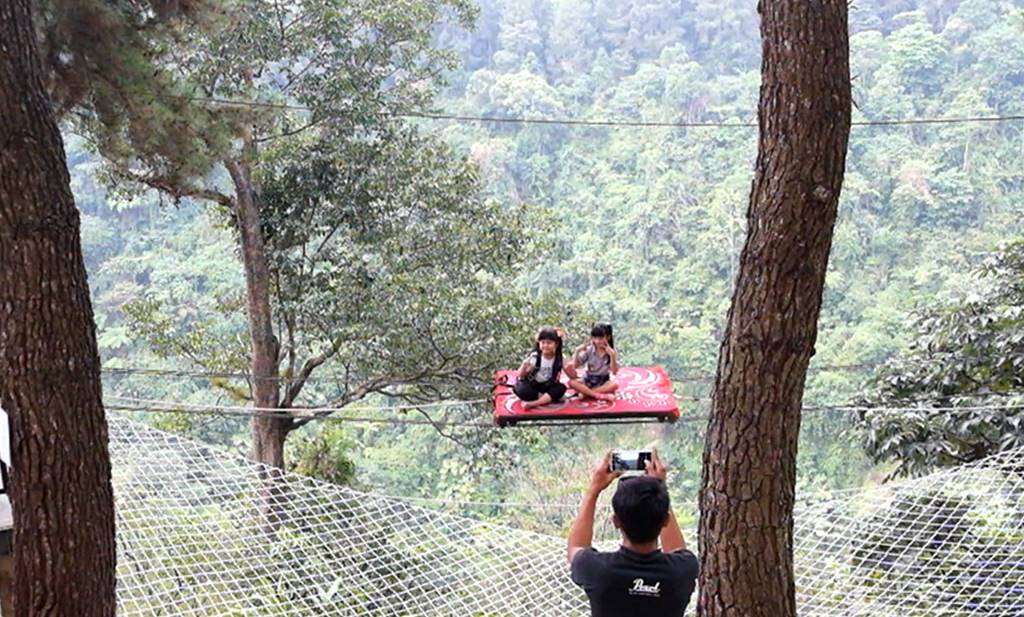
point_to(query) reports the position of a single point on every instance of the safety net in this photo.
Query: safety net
(204, 532)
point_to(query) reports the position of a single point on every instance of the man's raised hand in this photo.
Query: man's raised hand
(602, 475)
(655, 467)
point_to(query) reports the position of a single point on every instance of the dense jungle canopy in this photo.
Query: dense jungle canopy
(639, 226)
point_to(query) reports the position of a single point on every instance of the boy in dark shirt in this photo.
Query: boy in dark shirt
(640, 579)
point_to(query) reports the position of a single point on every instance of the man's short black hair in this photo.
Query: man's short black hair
(642, 506)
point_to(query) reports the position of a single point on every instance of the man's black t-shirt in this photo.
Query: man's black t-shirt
(628, 584)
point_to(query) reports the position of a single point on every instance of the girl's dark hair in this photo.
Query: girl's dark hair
(605, 330)
(549, 334)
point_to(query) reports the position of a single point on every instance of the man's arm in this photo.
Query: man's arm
(671, 535)
(581, 534)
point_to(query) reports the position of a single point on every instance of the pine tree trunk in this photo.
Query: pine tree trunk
(268, 434)
(6, 585)
(49, 366)
(746, 502)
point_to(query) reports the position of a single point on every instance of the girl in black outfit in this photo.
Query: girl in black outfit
(538, 380)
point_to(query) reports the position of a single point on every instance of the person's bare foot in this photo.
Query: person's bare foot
(606, 397)
(530, 404)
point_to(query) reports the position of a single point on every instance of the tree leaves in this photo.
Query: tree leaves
(385, 248)
(961, 381)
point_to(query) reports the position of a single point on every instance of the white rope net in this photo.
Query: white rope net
(949, 544)
(195, 538)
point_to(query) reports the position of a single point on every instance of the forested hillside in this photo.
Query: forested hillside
(652, 219)
(643, 225)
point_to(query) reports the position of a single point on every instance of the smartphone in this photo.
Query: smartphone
(630, 460)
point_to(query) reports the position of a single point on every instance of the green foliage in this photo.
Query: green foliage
(112, 69)
(387, 256)
(962, 375)
(388, 268)
(307, 64)
(641, 227)
(326, 455)
(651, 221)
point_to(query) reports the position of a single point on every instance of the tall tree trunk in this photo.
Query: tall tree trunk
(268, 434)
(49, 366)
(746, 501)
(6, 584)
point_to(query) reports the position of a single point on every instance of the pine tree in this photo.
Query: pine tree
(747, 497)
(49, 366)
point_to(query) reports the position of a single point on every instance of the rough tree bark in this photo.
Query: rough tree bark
(268, 433)
(49, 366)
(746, 502)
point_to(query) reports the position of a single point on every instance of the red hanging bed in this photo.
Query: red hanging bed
(644, 393)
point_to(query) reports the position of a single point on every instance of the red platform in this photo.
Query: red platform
(643, 393)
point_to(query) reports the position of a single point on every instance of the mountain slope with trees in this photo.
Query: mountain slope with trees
(642, 226)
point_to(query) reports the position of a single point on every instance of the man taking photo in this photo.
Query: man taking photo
(640, 579)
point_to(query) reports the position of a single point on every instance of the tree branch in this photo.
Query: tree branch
(178, 191)
(294, 79)
(289, 132)
(280, 20)
(307, 368)
(349, 398)
(440, 431)
(371, 386)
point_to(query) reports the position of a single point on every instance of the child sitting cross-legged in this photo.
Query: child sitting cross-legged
(600, 362)
(538, 382)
